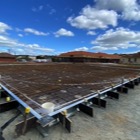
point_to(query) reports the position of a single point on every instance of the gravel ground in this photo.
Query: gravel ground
(119, 121)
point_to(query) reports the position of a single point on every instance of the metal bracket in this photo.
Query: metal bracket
(3, 94)
(31, 122)
(113, 94)
(6, 106)
(65, 121)
(130, 85)
(122, 89)
(136, 82)
(99, 102)
(86, 109)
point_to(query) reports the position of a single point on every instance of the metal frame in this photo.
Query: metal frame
(88, 97)
(38, 116)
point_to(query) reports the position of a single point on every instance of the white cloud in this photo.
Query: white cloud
(131, 14)
(118, 5)
(120, 38)
(20, 35)
(38, 47)
(98, 48)
(35, 32)
(8, 42)
(18, 30)
(4, 27)
(37, 9)
(130, 9)
(91, 33)
(63, 32)
(41, 7)
(52, 11)
(22, 48)
(92, 18)
(82, 49)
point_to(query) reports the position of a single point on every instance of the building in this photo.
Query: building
(6, 57)
(43, 58)
(25, 58)
(131, 58)
(82, 56)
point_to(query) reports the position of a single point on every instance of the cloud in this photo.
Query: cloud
(38, 47)
(92, 18)
(63, 32)
(22, 48)
(35, 32)
(41, 7)
(82, 49)
(18, 30)
(117, 5)
(52, 11)
(37, 9)
(100, 48)
(133, 14)
(120, 38)
(91, 33)
(8, 42)
(20, 35)
(4, 27)
(129, 9)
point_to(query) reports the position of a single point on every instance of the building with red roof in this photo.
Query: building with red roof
(6, 57)
(131, 58)
(82, 56)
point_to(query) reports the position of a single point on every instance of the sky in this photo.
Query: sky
(52, 27)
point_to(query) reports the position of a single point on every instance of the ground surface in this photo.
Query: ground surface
(36, 84)
(119, 121)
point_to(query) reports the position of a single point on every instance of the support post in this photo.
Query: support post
(122, 89)
(27, 111)
(61, 118)
(86, 109)
(65, 121)
(46, 121)
(3, 94)
(31, 122)
(136, 82)
(68, 124)
(130, 85)
(112, 94)
(6, 106)
(102, 102)
(139, 79)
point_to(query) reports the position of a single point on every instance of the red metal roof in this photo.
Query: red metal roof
(76, 54)
(6, 55)
(89, 54)
(134, 55)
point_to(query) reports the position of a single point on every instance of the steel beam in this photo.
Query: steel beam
(88, 97)
(92, 95)
(38, 116)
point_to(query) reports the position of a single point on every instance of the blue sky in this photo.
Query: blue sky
(51, 27)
